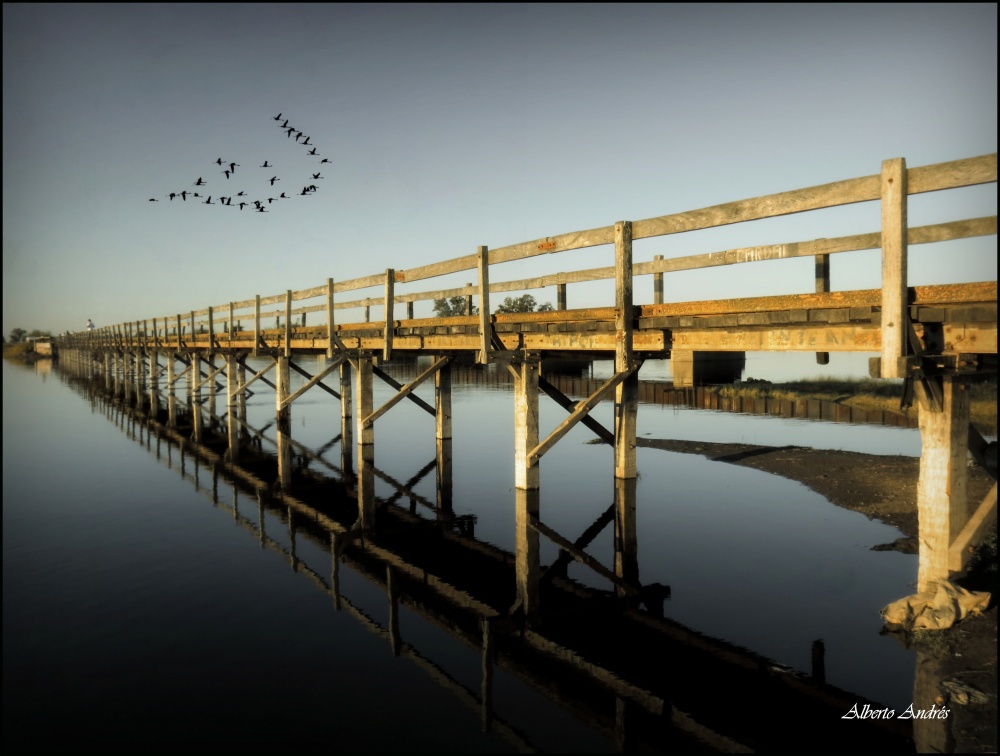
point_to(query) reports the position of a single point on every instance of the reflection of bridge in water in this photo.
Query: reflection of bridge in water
(606, 656)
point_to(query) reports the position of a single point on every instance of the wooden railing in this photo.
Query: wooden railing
(892, 186)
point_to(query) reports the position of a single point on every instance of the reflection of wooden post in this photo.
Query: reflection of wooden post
(442, 417)
(109, 369)
(284, 424)
(626, 540)
(942, 488)
(526, 552)
(293, 559)
(929, 735)
(335, 570)
(171, 394)
(486, 690)
(390, 586)
(822, 287)
(346, 435)
(232, 399)
(365, 440)
(894, 295)
(627, 392)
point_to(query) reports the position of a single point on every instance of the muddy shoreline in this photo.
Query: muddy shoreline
(884, 488)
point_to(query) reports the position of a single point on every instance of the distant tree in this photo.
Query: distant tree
(447, 308)
(524, 303)
(36, 333)
(17, 335)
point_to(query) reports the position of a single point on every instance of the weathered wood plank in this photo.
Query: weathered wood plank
(966, 172)
(894, 267)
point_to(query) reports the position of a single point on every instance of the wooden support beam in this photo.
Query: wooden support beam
(581, 410)
(308, 376)
(894, 295)
(442, 402)
(284, 425)
(526, 424)
(313, 381)
(485, 322)
(257, 376)
(527, 564)
(942, 486)
(386, 378)
(232, 418)
(346, 434)
(404, 392)
(963, 547)
(570, 406)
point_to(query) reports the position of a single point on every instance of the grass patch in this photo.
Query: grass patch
(866, 393)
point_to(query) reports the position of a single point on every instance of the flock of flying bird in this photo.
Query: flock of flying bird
(241, 199)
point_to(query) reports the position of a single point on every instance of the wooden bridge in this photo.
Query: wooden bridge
(935, 338)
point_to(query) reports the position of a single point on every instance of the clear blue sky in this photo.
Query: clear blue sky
(452, 126)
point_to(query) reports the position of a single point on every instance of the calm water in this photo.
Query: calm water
(138, 612)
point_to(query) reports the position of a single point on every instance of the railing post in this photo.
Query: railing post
(390, 281)
(822, 287)
(256, 323)
(485, 324)
(894, 295)
(329, 318)
(288, 323)
(657, 284)
(627, 392)
(561, 296)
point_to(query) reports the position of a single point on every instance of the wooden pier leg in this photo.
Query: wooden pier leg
(442, 407)
(241, 404)
(526, 482)
(171, 394)
(154, 382)
(109, 370)
(232, 401)
(194, 396)
(627, 392)
(284, 425)
(526, 475)
(346, 429)
(626, 539)
(942, 488)
(364, 382)
(527, 562)
(210, 387)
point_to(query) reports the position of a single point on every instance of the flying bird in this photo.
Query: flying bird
(273, 179)
(266, 165)
(317, 176)
(199, 182)
(312, 152)
(277, 117)
(153, 199)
